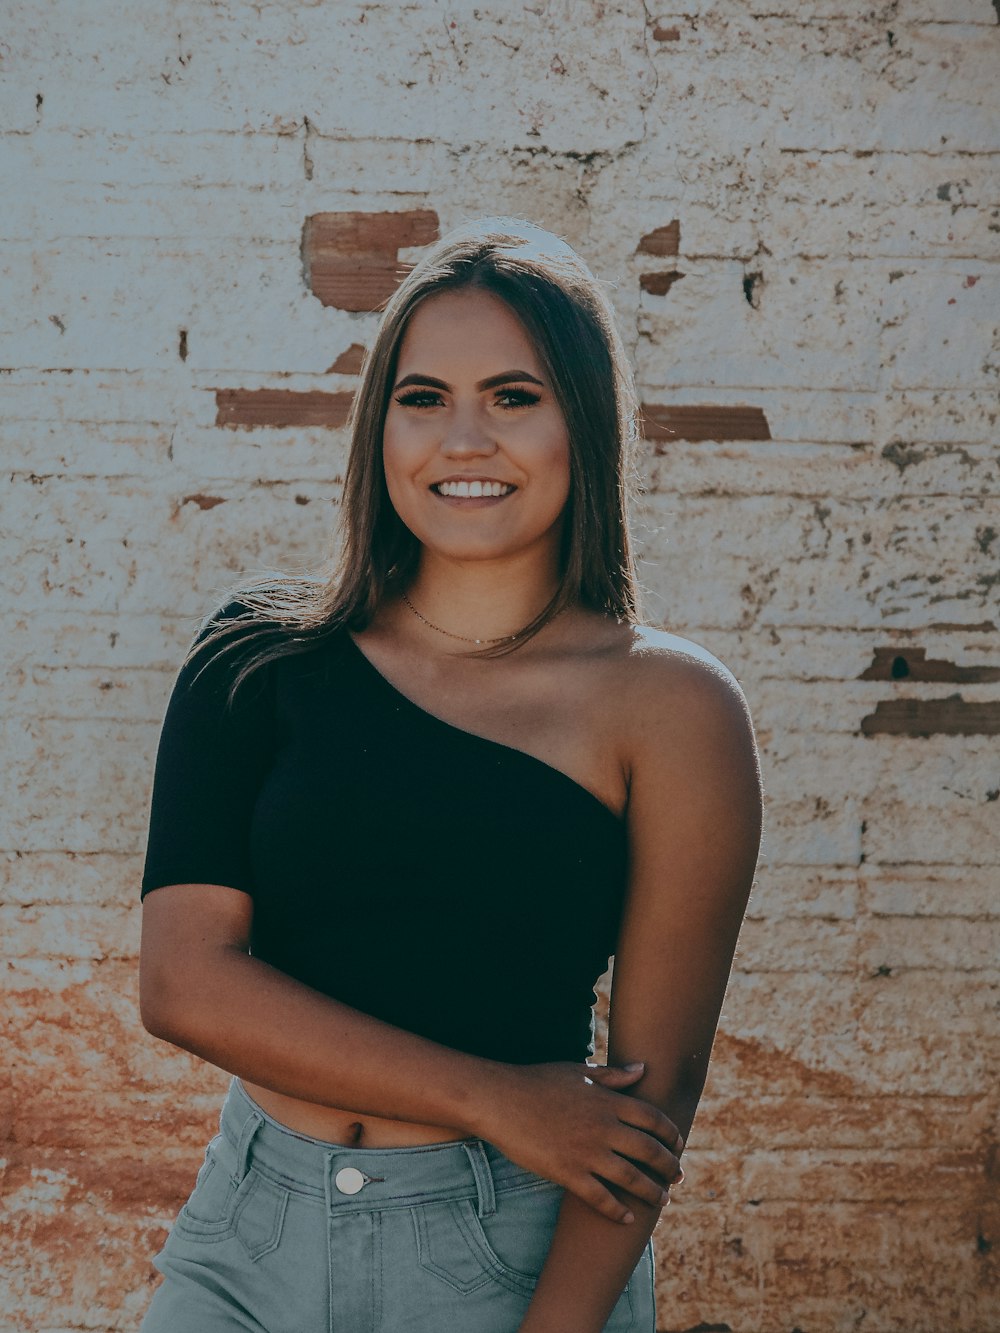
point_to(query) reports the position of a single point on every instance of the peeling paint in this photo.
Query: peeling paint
(953, 716)
(664, 421)
(281, 408)
(351, 260)
(912, 663)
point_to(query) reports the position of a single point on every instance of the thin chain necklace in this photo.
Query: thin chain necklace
(504, 638)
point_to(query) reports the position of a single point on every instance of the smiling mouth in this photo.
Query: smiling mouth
(472, 490)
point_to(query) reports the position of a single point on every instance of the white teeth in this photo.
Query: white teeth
(471, 489)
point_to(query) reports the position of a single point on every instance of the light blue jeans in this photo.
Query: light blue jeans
(284, 1233)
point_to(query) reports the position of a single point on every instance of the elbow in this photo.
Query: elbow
(163, 1009)
(152, 1020)
(191, 936)
(154, 1013)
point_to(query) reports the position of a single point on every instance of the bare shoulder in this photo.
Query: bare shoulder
(657, 667)
(678, 702)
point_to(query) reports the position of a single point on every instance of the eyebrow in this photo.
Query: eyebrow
(491, 382)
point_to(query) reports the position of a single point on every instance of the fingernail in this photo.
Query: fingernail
(636, 1064)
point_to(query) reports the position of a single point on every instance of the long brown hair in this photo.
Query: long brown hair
(569, 319)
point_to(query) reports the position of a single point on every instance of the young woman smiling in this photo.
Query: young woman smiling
(406, 810)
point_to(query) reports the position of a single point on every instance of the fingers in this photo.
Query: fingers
(626, 1176)
(649, 1155)
(643, 1159)
(643, 1115)
(641, 1185)
(600, 1198)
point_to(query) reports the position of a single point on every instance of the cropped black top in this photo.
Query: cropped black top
(438, 880)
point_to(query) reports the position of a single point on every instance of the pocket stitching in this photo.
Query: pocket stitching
(468, 1219)
(190, 1223)
(425, 1260)
(278, 1204)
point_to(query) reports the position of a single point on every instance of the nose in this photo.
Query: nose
(466, 437)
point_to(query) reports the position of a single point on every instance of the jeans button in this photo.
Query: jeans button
(349, 1180)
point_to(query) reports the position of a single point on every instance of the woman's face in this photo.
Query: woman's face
(471, 402)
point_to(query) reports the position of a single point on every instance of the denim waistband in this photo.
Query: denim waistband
(359, 1179)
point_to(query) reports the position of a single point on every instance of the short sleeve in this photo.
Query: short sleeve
(210, 762)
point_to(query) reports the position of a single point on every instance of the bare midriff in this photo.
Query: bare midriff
(347, 1128)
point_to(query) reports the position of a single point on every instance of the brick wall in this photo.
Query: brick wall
(797, 207)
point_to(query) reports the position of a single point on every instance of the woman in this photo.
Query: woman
(404, 812)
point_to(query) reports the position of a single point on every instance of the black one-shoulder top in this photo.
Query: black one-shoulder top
(438, 880)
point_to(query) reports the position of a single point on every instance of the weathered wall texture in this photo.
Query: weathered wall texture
(798, 209)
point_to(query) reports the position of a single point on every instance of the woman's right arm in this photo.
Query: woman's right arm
(200, 989)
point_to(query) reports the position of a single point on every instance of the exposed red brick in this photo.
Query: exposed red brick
(661, 241)
(204, 501)
(963, 627)
(351, 260)
(952, 716)
(349, 361)
(665, 421)
(913, 664)
(658, 284)
(666, 34)
(281, 407)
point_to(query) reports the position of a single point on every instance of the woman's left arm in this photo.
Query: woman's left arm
(695, 819)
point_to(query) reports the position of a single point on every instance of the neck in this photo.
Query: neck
(480, 601)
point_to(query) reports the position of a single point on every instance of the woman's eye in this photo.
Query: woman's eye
(518, 397)
(505, 398)
(419, 398)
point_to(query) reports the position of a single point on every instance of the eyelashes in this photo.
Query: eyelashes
(431, 398)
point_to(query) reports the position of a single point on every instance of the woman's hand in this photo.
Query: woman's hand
(565, 1121)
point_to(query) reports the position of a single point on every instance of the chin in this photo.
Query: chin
(466, 550)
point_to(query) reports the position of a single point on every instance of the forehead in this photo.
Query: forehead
(468, 329)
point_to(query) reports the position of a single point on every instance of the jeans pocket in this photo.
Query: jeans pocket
(512, 1242)
(442, 1249)
(507, 1248)
(209, 1208)
(252, 1210)
(467, 1251)
(259, 1216)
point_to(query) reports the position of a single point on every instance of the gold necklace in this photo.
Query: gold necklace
(504, 638)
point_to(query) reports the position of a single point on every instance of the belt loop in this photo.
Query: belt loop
(251, 1125)
(483, 1173)
(327, 1175)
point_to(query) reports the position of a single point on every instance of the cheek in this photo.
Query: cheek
(401, 449)
(553, 437)
(553, 453)
(395, 467)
